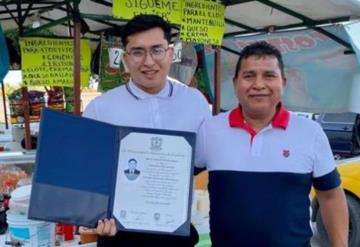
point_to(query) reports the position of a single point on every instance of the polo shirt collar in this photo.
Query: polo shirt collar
(138, 93)
(280, 120)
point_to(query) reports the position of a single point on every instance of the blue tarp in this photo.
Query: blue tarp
(4, 56)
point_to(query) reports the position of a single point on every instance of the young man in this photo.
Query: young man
(263, 160)
(150, 99)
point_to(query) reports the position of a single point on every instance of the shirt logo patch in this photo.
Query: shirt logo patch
(286, 153)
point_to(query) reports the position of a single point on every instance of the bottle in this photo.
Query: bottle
(59, 234)
(68, 232)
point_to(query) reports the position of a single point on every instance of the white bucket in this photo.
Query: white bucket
(19, 201)
(18, 133)
(30, 233)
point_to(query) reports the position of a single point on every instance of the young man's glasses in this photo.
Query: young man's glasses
(157, 53)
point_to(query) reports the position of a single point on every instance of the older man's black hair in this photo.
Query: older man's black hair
(260, 49)
(142, 23)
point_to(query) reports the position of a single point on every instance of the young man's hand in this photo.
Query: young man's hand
(104, 227)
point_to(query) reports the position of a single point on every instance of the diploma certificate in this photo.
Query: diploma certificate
(154, 182)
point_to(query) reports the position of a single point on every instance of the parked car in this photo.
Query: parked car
(349, 170)
(309, 115)
(343, 132)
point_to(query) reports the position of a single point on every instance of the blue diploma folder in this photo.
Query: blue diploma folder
(75, 169)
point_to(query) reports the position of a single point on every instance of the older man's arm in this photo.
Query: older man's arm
(335, 216)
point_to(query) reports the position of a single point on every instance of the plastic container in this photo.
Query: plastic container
(88, 238)
(19, 202)
(30, 233)
(64, 232)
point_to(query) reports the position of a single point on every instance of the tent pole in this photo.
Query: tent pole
(217, 78)
(77, 68)
(24, 90)
(4, 102)
(26, 106)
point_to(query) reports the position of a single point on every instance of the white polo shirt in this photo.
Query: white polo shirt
(175, 107)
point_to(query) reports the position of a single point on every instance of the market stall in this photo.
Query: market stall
(90, 19)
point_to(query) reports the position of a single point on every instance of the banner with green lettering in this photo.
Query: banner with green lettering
(50, 61)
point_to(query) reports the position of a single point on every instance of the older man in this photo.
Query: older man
(263, 160)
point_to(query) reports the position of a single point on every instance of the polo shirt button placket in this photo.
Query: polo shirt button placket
(156, 113)
(256, 145)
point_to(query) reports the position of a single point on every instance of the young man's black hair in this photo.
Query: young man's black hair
(144, 22)
(260, 49)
